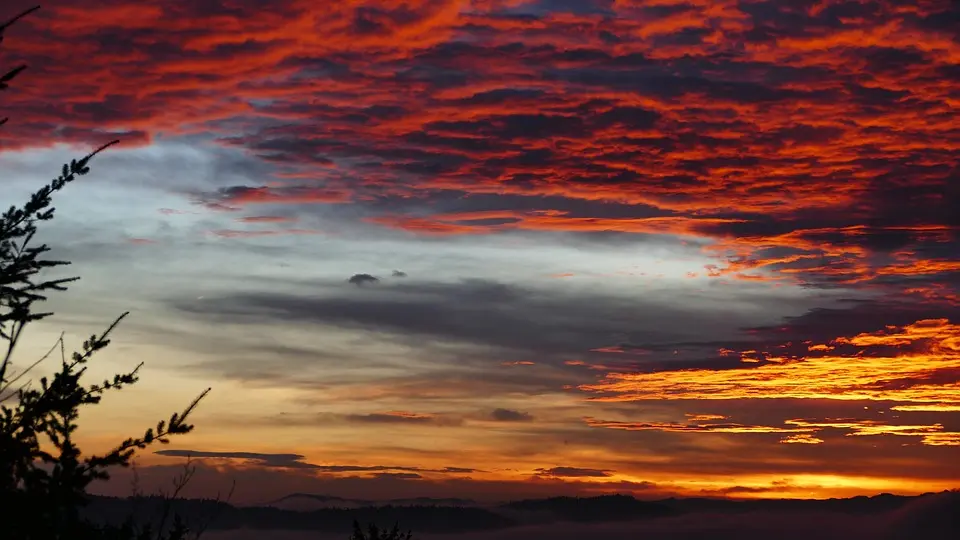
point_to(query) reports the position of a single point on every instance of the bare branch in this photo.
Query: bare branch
(31, 367)
(9, 23)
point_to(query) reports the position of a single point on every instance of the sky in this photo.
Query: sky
(508, 248)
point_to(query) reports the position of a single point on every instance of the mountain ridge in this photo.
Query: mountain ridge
(435, 518)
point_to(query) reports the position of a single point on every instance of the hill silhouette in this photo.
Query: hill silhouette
(602, 508)
(421, 518)
(433, 517)
(862, 504)
(310, 501)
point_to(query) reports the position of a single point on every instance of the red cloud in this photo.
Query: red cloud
(811, 144)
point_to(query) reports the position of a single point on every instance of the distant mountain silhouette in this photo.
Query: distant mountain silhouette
(426, 515)
(308, 501)
(884, 502)
(421, 518)
(305, 502)
(602, 508)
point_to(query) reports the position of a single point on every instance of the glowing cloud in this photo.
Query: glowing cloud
(929, 374)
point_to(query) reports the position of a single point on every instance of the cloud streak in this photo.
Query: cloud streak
(928, 374)
(295, 461)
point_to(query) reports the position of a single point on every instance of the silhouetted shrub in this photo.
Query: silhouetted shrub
(43, 474)
(375, 533)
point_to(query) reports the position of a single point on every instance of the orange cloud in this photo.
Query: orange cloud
(864, 428)
(551, 221)
(676, 427)
(704, 417)
(928, 375)
(801, 438)
(801, 430)
(927, 407)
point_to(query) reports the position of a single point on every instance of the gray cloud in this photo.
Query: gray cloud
(573, 472)
(295, 461)
(403, 418)
(509, 415)
(452, 338)
(488, 314)
(459, 470)
(363, 279)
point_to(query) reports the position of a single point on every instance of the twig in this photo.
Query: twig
(179, 483)
(217, 501)
(33, 365)
(7, 24)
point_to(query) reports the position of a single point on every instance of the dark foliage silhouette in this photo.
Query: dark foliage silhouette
(44, 476)
(375, 533)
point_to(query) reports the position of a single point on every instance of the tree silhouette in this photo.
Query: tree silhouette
(375, 533)
(43, 474)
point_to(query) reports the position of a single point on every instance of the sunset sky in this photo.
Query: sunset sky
(509, 248)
